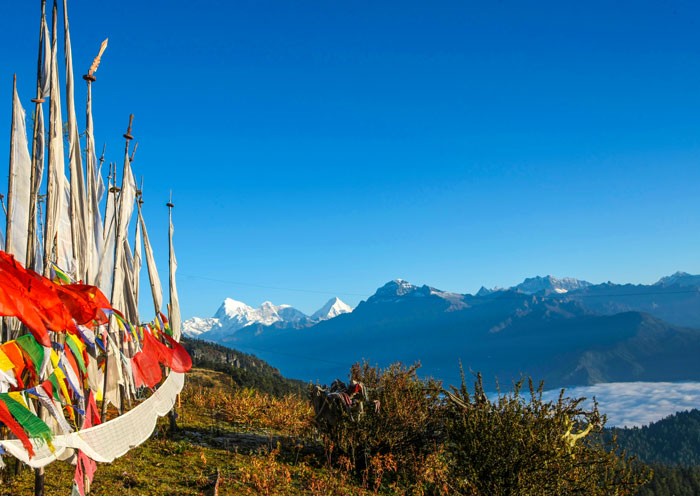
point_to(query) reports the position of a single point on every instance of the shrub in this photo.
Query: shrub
(390, 431)
(522, 445)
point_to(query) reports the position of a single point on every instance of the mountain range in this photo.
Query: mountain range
(564, 331)
(234, 315)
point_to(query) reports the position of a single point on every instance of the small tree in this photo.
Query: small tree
(522, 445)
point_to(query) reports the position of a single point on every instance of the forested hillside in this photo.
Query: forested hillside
(671, 447)
(245, 370)
(674, 440)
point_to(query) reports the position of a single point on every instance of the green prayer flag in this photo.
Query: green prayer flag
(33, 425)
(33, 349)
(76, 353)
(54, 382)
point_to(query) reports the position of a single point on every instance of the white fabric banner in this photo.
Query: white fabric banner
(95, 189)
(38, 177)
(21, 171)
(156, 288)
(131, 306)
(55, 235)
(106, 442)
(174, 307)
(46, 65)
(106, 265)
(138, 261)
(124, 210)
(77, 180)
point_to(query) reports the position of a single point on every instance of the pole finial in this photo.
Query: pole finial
(89, 77)
(128, 135)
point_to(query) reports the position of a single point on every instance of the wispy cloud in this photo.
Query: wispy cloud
(637, 403)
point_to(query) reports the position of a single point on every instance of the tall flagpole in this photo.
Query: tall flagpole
(118, 250)
(34, 188)
(50, 223)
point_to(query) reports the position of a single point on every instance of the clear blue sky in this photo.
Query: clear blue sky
(332, 146)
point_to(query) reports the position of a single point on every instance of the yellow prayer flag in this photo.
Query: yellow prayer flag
(5, 362)
(19, 398)
(54, 358)
(78, 342)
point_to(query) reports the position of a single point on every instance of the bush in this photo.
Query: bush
(517, 444)
(390, 431)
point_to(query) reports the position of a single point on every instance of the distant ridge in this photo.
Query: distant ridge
(566, 331)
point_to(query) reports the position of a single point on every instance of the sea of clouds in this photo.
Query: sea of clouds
(630, 404)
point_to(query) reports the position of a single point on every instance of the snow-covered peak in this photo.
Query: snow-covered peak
(332, 308)
(679, 279)
(533, 285)
(398, 290)
(230, 308)
(233, 314)
(195, 326)
(392, 289)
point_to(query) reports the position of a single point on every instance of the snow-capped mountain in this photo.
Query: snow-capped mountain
(679, 279)
(332, 308)
(396, 290)
(196, 325)
(234, 315)
(533, 285)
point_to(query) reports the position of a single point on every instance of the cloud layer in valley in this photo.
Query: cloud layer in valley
(630, 404)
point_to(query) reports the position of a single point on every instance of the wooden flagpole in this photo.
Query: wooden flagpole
(50, 223)
(34, 183)
(112, 318)
(172, 415)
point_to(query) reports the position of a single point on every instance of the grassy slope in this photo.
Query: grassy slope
(250, 438)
